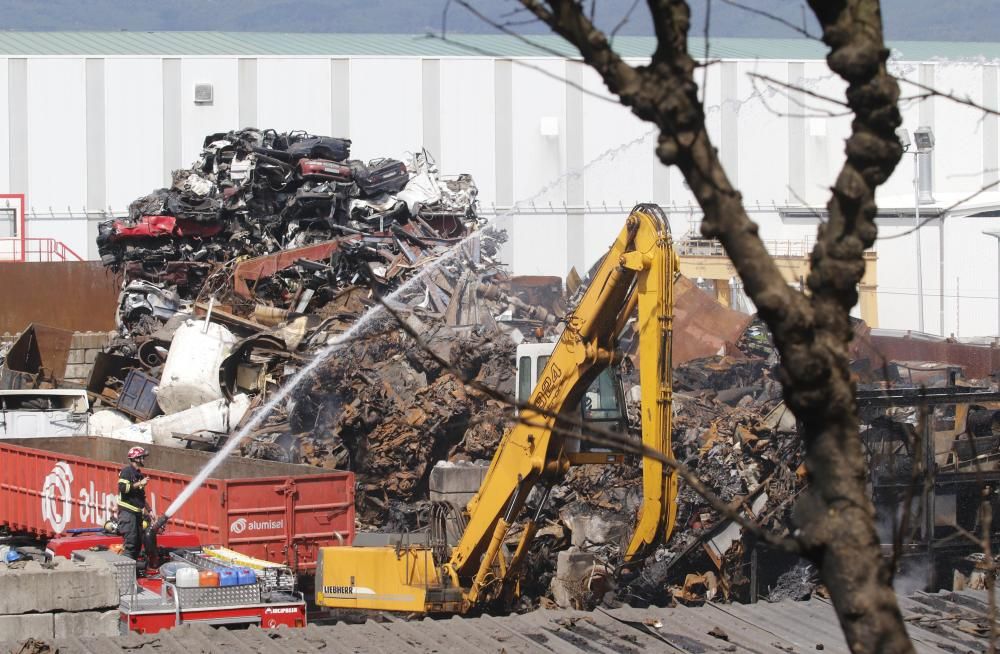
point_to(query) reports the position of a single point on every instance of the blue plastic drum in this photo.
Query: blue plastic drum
(227, 577)
(246, 576)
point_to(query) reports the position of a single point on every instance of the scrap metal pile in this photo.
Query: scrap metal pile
(254, 193)
(749, 455)
(273, 245)
(283, 241)
(266, 250)
(389, 411)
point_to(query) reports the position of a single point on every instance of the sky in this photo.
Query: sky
(964, 20)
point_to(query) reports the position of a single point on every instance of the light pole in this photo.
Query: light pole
(924, 141)
(996, 235)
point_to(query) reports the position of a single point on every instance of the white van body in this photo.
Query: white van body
(45, 412)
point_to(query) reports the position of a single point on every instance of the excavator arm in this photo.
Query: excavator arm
(639, 270)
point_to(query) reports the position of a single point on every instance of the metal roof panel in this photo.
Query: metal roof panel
(83, 43)
(943, 622)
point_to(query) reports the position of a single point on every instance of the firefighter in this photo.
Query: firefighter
(132, 507)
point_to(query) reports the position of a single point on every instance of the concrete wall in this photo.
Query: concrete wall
(68, 599)
(83, 352)
(85, 134)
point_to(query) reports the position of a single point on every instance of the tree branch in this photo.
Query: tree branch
(782, 114)
(931, 92)
(836, 517)
(800, 89)
(778, 19)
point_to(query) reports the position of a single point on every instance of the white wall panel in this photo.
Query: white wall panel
(774, 228)
(72, 232)
(199, 120)
(539, 245)
(825, 134)
(971, 265)
(930, 249)
(294, 94)
(763, 134)
(386, 117)
(710, 90)
(539, 161)
(57, 136)
(897, 281)
(4, 130)
(601, 231)
(134, 129)
(467, 123)
(958, 148)
(617, 169)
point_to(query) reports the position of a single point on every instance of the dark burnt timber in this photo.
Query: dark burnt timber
(932, 450)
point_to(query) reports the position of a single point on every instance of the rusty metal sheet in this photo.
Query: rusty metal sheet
(939, 622)
(538, 290)
(254, 269)
(978, 361)
(39, 354)
(84, 293)
(702, 326)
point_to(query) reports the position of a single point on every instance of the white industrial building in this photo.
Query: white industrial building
(90, 121)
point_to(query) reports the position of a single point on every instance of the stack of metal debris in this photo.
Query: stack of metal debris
(334, 223)
(266, 249)
(271, 244)
(388, 411)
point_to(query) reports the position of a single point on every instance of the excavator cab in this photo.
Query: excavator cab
(601, 406)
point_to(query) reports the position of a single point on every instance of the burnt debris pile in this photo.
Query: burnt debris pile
(731, 430)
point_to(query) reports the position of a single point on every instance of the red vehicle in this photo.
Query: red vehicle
(278, 512)
(268, 597)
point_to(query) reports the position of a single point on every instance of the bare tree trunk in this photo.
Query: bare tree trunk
(835, 517)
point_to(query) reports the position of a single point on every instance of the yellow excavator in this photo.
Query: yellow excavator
(480, 570)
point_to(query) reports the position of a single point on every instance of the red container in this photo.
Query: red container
(280, 512)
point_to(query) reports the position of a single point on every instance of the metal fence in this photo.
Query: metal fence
(36, 249)
(702, 247)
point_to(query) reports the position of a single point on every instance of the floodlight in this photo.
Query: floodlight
(903, 135)
(924, 138)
